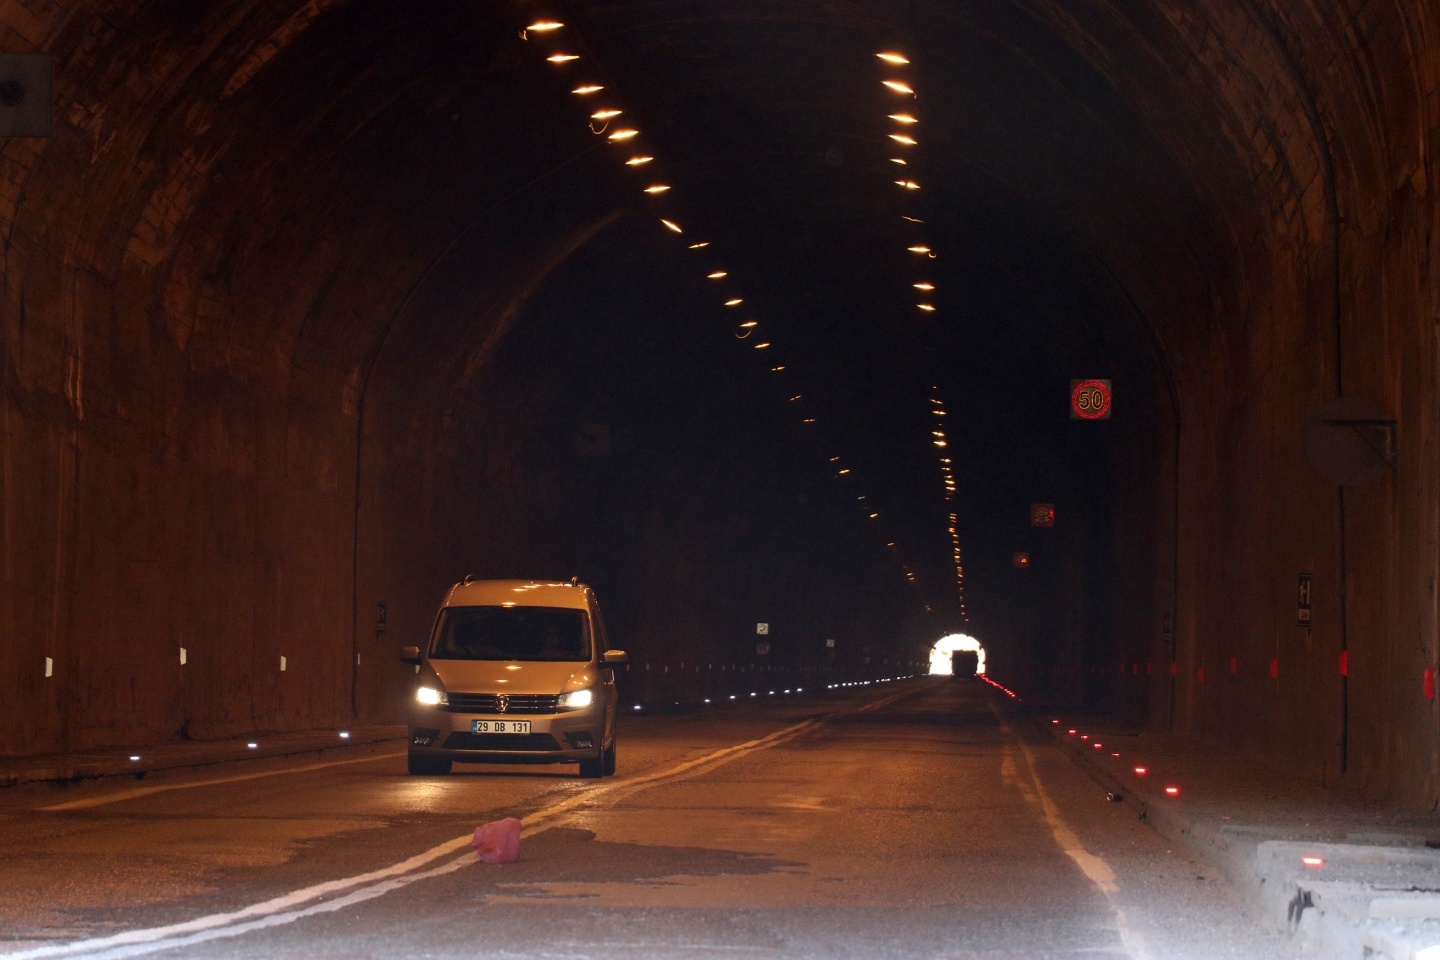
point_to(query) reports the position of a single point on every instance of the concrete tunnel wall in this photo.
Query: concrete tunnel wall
(254, 255)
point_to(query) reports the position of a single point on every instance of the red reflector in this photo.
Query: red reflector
(1140, 771)
(1312, 861)
(1274, 668)
(1173, 791)
(1200, 675)
(1072, 733)
(1430, 684)
(1234, 666)
(1344, 663)
(1098, 746)
(1147, 669)
(1174, 668)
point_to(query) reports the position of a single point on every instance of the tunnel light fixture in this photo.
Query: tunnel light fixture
(902, 138)
(923, 286)
(911, 219)
(895, 85)
(657, 188)
(544, 26)
(671, 225)
(605, 114)
(918, 248)
(749, 324)
(903, 118)
(794, 398)
(735, 302)
(638, 161)
(134, 757)
(700, 246)
(907, 184)
(874, 516)
(252, 745)
(899, 161)
(940, 443)
(588, 89)
(562, 57)
(717, 275)
(927, 307)
(845, 471)
(344, 734)
(761, 346)
(1313, 862)
(1172, 791)
(624, 134)
(777, 369)
(892, 58)
(1141, 771)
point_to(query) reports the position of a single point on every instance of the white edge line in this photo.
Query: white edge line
(138, 792)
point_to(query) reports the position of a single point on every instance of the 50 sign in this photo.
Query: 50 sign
(1089, 399)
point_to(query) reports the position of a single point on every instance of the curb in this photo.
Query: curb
(117, 762)
(1340, 901)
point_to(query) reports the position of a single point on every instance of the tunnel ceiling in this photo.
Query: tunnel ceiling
(412, 183)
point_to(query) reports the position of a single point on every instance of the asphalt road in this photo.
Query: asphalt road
(910, 819)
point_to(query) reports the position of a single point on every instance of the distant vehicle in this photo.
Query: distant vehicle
(964, 664)
(515, 671)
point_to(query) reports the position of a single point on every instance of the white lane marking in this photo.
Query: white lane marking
(1096, 870)
(288, 908)
(124, 795)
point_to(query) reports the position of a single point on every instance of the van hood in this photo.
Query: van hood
(513, 676)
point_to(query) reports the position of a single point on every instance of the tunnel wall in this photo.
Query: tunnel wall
(232, 377)
(1315, 151)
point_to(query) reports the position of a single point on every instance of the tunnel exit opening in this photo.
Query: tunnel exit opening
(945, 646)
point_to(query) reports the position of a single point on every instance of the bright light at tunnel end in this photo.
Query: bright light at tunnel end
(945, 646)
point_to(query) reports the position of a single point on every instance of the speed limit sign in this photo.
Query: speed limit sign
(1089, 399)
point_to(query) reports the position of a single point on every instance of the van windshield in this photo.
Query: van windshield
(511, 633)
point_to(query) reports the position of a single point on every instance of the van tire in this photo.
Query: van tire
(607, 760)
(423, 766)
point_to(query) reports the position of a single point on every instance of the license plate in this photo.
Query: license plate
(499, 726)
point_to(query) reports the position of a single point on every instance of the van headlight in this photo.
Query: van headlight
(576, 699)
(431, 697)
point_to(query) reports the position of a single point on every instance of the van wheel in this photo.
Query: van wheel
(423, 766)
(593, 769)
(607, 759)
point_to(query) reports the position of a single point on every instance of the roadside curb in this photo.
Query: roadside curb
(1340, 901)
(118, 762)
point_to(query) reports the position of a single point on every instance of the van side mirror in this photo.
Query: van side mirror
(410, 655)
(614, 658)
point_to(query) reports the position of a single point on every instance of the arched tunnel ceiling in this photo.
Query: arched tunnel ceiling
(411, 181)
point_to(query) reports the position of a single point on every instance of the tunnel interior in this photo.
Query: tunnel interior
(313, 308)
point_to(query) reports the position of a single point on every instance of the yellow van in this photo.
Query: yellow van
(515, 671)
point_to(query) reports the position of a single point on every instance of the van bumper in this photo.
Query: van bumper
(567, 737)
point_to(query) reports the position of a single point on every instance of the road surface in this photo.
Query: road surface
(919, 818)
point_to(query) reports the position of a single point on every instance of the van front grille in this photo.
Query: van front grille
(519, 742)
(519, 703)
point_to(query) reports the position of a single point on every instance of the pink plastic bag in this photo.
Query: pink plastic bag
(498, 841)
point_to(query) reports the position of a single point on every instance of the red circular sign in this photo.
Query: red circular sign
(1090, 399)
